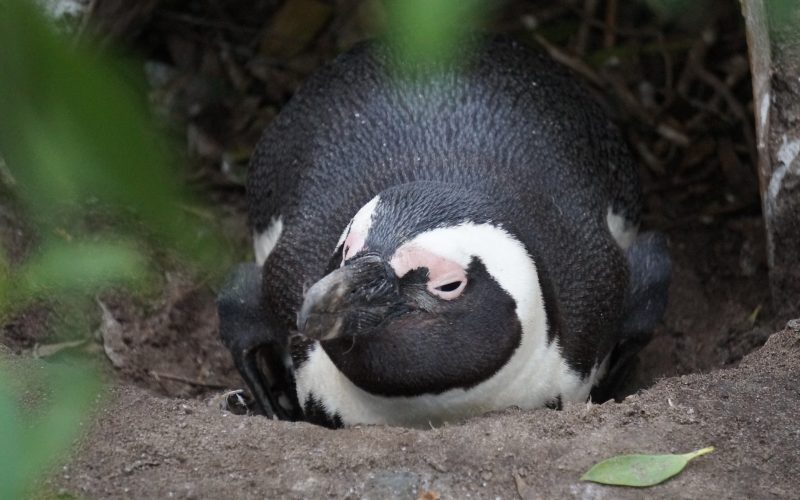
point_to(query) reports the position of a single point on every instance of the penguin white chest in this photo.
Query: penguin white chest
(534, 377)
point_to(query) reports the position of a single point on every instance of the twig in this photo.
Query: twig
(625, 32)
(669, 74)
(679, 183)
(627, 98)
(734, 105)
(201, 22)
(650, 159)
(694, 59)
(582, 39)
(178, 378)
(87, 18)
(720, 88)
(700, 218)
(672, 134)
(572, 62)
(733, 77)
(610, 33)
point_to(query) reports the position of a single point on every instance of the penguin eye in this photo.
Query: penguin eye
(445, 278)
(449, 287)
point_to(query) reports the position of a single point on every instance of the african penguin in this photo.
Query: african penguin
(440, 244)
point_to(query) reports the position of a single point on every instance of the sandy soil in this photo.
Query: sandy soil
(146, 446)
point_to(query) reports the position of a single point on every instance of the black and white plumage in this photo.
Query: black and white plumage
(468, 236)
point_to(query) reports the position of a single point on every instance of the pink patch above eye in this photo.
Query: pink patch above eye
(353, 244)
(446, 279)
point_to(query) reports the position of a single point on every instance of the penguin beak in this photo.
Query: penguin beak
(349, 299)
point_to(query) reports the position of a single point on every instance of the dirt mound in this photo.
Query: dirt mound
(144, 446)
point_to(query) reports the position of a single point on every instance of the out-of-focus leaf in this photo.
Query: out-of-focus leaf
(34, 438)
(427, 31)
(81, 266)
(74, 131)
(5, 286)
(10, 443)
(640, 470)
(294, 26)
(691, 13)
(5, 174)
(78, 130)
(784, 16)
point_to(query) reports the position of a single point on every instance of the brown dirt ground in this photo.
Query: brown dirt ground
(145, 446)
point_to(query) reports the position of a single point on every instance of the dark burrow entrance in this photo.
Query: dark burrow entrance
(679, 86)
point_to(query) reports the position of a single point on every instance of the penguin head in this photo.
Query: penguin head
(428, 290)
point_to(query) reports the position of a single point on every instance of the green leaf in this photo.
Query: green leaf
(75, 130)
(426, 32)
(36, 435)
(11, 442)
(82, 266)
(640, 470)
(5, 287)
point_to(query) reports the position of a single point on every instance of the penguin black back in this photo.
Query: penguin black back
(509, 120)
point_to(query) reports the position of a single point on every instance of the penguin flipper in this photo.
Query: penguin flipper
(650, 269)
(245, 331)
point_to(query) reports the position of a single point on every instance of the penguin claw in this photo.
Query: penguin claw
(247, 364)
(622, 364)
(244, 330)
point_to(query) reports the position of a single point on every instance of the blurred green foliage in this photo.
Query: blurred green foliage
(31, 438)
(784, 15)
(428, 31)
(77, 140)
(677, 10)
(74, 132)
(784, 19)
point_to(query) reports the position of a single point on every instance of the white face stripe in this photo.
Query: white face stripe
(504, 256)
(362, 221)
(363, 218)
(621, 230)
(344, 234)
(265, 243)
(534, 375)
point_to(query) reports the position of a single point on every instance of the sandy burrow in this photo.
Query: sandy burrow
(144, 446)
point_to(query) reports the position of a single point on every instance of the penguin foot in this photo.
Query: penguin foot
(259, 355)
(621, 365)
